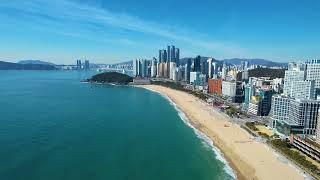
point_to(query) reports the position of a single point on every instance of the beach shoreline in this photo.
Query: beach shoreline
(248, 158)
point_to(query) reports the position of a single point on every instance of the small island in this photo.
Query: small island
(111, 78)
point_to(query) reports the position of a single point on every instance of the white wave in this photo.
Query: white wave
(203, 137)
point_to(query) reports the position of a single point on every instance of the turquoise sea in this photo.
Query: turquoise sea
(54, 127)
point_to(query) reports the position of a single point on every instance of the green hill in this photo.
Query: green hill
(111, 77)
(264, 72)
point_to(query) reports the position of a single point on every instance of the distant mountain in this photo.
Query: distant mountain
(123, 63)
(261, 62)
(17, 66)
(35, 62)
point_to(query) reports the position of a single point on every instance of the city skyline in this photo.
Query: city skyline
(107, 32)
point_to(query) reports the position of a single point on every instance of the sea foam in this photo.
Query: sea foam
(202, 136)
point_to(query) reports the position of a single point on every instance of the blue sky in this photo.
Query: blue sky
(108, 31)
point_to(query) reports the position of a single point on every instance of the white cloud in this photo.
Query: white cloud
(64, 14)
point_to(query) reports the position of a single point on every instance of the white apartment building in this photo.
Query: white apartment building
(172, 70)
(153, 68)
(297, 111)
(224, 71)
(136, 68)
(175, 74)
(229, 88)
(296, 83)
(214, 69)
(277, 81)
(302, 90)
(277, 84)
(292, 75)
(194, 78)
(313, 71)
(304, 113)
(180, 73)
(294, 115)
(279, 109)
(233, 74)
(210, 68)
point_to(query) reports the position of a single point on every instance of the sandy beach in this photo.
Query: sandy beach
(249, 158)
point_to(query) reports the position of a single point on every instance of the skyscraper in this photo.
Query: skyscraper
(165, 55)
(304, 113)
(177, 56)
(154, 67)
(295, 72)
(224, 71)
(296, 84)
(187, 71)
(160, 56)
(246, 65)
(180, 73)
(210, 73)
(303, 90)
(294, 115)
(196, 64)
(86, 65)
(169, 54)
(160, 72)
(136, 65)
(214, 68)
(79, 65)
(172, 70)
(175, 74)
(245, 73)
(204, 68)
(242, 64)
(312, 72)
(302, 71)
(173, 54)
(141, 68)
(265, 104)
(136, 68)
(166, 70)
(144, 67)
(279, 113)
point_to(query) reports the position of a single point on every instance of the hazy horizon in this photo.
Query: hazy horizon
(62, 31)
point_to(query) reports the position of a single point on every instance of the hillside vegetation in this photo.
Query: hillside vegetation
(264, 72)
(111, 77)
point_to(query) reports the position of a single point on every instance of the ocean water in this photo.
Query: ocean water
(52, 127)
